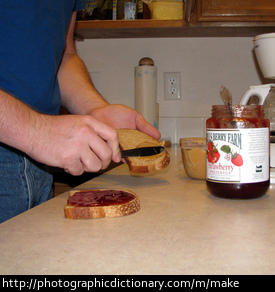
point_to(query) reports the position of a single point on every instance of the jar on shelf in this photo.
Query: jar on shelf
(238, 152)
(130, 9)
(127, 9)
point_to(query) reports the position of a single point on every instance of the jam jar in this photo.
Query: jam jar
(237, 163)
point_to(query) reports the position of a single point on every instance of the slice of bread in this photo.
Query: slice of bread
(89, 204)
(129, 139)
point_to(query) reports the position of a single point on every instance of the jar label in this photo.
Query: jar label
(238, 155)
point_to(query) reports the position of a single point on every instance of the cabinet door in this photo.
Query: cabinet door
(235, 10)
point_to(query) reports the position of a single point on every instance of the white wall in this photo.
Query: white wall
(205, 64)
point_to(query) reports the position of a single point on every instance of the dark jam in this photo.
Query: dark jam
(225, 139)
(100, 198)
(238, 191)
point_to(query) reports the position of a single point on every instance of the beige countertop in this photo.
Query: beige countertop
(180, 229)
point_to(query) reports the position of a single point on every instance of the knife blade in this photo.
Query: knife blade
(143, 151)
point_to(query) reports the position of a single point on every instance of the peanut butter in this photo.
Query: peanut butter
(194, 161)
(151, 144)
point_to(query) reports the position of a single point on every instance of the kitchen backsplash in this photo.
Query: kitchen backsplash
(172, 129)
(204, 63)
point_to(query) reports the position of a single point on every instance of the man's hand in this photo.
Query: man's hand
(75, 143)
(120, 116)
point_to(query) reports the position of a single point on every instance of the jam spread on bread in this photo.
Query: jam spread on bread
(100, 198)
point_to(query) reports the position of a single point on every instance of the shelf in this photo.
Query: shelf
(149, 28)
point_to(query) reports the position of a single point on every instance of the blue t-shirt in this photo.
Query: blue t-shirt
(32, 40)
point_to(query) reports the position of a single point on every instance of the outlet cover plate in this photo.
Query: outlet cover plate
(172, 86)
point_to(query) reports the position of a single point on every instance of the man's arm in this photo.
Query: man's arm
(80, 97)
(73, 142)
(18, 122)
(78, 94)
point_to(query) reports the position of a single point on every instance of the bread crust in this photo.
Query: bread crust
(129, 138)
(76, 212)
(158, 165)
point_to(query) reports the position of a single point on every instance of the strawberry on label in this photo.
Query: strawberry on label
(237, 159)
(213, 153)
(210, 146)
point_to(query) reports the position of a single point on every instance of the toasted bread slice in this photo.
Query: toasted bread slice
(89, 204)
(129, 139)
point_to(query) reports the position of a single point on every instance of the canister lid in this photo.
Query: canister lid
(146, 62)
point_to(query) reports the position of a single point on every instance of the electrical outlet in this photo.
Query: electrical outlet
(172, 86)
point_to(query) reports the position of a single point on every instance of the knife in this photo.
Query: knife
(143, 151)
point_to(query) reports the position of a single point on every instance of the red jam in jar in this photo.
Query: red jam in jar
(238, 152)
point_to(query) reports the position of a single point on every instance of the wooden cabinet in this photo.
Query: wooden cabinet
(204, 18)
(236, 10)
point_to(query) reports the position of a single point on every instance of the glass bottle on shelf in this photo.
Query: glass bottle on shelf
(126, 9)
(139, 9)
(130, 9)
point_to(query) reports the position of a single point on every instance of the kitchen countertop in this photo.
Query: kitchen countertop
(180, 229)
